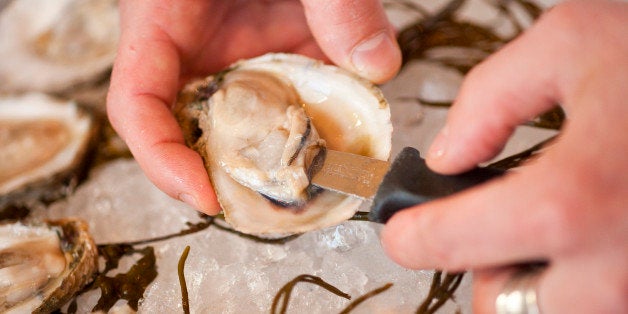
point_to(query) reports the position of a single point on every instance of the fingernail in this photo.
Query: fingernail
(189, 199)
(439, 146)
(377, 58)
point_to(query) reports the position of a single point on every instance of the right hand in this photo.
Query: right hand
(569, 206)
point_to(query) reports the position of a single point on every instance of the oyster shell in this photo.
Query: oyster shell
(44, 143)
(50, 46)
(43, 266)
(248, 121)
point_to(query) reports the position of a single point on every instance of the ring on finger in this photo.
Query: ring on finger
(519, 293)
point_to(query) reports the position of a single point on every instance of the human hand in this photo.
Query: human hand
(165, 43)
(567, 208)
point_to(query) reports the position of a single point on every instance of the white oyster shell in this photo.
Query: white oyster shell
(349, 113)
(50, 46)
(44, 141)
(43, 266)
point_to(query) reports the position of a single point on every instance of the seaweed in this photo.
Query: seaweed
(365, 297)
(218, 223)
(129, 286)
(518, 159)
(279, 240)
(553, 119)
(441, 290)
(283, 296)
(417, 41)
(444, 29)
(185, 302)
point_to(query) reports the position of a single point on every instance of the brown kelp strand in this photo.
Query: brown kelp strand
(518, 159)
(210, 221)
(360, 216)
(552, 119)
(207, 222)
(444, 29)
(426, 102)
(185, 302)
(405, 5)
(365, 297)
(531, 9)
(14, 212)
(129, 286)
(282, 298)
(441, 290)
(280, 240)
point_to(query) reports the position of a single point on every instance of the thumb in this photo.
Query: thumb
(355, 35)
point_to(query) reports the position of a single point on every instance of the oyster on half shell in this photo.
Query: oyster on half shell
(44, 144)
(259, 124)
(43, 266)
(52, 46)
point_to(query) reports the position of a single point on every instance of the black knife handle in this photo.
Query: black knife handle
(410, 182)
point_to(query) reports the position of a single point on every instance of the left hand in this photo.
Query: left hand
(165, 43)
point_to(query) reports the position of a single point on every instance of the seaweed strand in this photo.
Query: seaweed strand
(129, 286)
(360, 216)
(440, 292)
(365, 297)
(185, 301)
(284, 293)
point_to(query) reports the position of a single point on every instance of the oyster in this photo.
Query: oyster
(51, 46)
(259, 124)
(44, 143)
(43, 266)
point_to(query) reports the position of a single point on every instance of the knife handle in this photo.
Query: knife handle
(410, 182)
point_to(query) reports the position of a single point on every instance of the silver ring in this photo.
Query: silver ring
(519, 294)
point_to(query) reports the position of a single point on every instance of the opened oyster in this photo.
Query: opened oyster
(44, 266)
(44, 144)
(50, 46)
(259, 125)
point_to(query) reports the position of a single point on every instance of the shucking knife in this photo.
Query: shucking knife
(392, 187)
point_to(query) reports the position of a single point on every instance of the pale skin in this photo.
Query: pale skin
(165, 43)
(567, 208)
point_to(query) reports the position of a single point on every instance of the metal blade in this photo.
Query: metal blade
(349, 173)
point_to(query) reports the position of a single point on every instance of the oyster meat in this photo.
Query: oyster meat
(44, 143)
(259, 125)
(51, 46)
(43, 266)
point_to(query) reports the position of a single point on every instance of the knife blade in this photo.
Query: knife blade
(405, 182)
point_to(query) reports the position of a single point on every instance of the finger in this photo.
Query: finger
(355, 35)
(487, 285)
(512, 86)
(488, 225)
(143, 84)
(560, 288)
